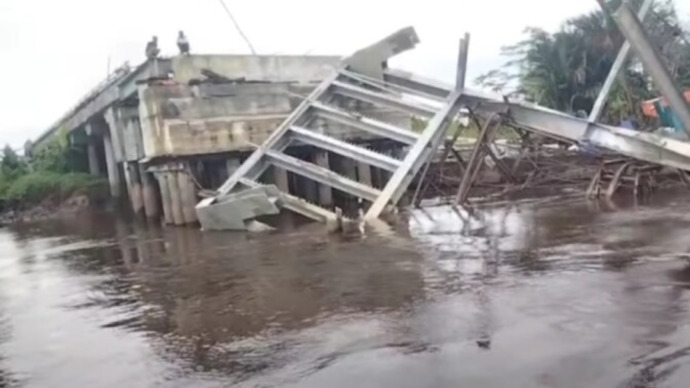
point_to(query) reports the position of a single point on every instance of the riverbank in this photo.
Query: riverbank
(43, 195)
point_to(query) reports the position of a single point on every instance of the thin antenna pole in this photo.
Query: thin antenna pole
(237, 26)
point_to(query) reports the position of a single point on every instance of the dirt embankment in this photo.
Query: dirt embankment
(54, 208)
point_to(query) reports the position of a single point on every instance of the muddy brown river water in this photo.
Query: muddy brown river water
(547, 293)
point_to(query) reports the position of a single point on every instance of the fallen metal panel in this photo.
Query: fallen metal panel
(345, 149)
(322, 175)
(366, 124)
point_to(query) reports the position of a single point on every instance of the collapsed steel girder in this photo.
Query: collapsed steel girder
(366, 78)
(644, 146)
(345, 84)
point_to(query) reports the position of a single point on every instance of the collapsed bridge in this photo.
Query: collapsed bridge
(344, 102)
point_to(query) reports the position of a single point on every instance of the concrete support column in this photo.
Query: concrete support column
(148, 190)
(281, 179)
(115, 128)
(175, 198)
(133, 180)
(325, 191)
(350, 169)
(310, 189)
(113, 174)
(94, 167)
(232, 165)
(187, 189)
(364, 173)
(165, 197)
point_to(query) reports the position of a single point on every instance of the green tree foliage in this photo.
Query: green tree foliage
(566, 69)
(37, 186)
(53, 173)
(12, 165)
(59, 156)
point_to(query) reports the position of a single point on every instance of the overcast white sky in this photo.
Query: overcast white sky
(56, 51)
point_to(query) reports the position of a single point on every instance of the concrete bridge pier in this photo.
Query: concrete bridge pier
(178, 194)
(111, 166)
(175, 198)
(166, 199)
(188, 200)
(142, 190)
(350, 168)
(364, 173)
(325, 191)
(113, 149)
(94, 167)
(148, 189)
(99, 134)
(134, 187)
(281, 179)
(91, 150)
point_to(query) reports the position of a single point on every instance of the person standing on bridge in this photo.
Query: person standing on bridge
(152, 49)
(183, 43)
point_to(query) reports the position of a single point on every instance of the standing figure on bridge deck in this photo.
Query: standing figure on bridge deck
(183, 44)
(152, 49)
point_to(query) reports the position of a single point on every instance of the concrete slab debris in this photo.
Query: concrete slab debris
(234, 211)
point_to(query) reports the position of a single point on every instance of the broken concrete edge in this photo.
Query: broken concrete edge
(238, 210)
(371, 60)
(233, 211)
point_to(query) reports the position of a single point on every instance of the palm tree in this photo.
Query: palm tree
(566, 69)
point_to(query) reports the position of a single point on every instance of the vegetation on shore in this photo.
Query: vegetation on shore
(52, 175)
(565, 69)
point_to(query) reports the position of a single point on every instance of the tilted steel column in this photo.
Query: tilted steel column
(621, 59)
(462, 62)
(634, 32)
(474, 164)
(411, 164)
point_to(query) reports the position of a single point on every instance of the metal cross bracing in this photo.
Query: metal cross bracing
(332, 102)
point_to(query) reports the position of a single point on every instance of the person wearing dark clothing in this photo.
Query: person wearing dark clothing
(183, 44)
(152, 50)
